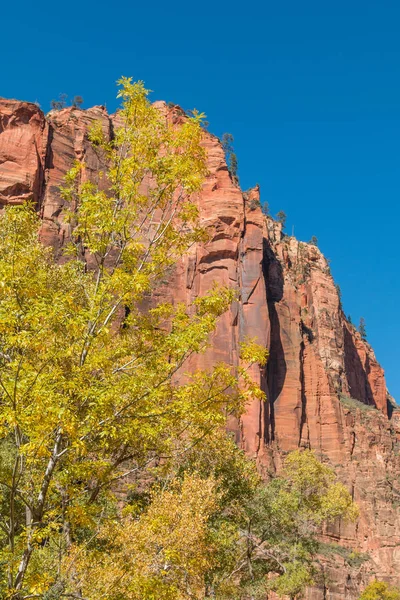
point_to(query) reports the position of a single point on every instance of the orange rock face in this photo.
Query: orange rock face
(325, 389)
(23, 146)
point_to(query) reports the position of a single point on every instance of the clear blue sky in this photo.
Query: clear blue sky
(310, 90)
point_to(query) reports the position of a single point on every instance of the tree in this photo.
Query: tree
(77, 101)
(349, 319)
(380, 590)
(60, 103)
(265, 209)
(277, 542)
(231, 158)
(313, 241)
(90, 403)
(339, 292)
(361, 328)
(281, 218)
(231, 536)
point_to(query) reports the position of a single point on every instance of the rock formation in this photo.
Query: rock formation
(324, 386)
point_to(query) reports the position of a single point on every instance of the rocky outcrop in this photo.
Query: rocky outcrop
(23, 146)
(325, 390)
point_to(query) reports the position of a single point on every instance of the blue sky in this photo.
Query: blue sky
(310, 91)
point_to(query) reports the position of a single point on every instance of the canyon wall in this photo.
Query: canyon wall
(325, 389)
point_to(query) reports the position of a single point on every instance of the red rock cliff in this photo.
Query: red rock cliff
(324, 386)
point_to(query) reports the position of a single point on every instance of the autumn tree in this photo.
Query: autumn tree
(277, 543)
(380, 590)
(88, 392)
(217, 531)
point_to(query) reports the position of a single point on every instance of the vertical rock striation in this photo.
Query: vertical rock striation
(325, 389)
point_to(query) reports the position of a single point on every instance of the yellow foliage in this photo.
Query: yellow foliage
(163, 554)
(88, 389)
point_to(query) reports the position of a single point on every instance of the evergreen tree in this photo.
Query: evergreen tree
(281, 217)
(362, 329)
(339, 292)
(265, 209)
(231, 158)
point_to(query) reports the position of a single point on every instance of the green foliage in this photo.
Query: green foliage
(60, 103)
(339, 292)
(352, 558)
(265, 209)
(379, 590)
(281, 218)
(231, 158)
(354, 404)
(254, 203)
(77, 101)
(361, 328)
(313, 241)
(278, 527)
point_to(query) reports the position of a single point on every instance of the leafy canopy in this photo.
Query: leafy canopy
(380, 590)
(279, 527)
(88, 390)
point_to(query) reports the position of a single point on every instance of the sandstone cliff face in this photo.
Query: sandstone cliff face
(23, 131)
(327, 392)
(324, 386)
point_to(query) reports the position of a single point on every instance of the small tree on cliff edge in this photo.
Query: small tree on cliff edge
(281, 218)
(265, 209)
(362, 329)
(231, 158)
(60, 103)
(77, 101)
